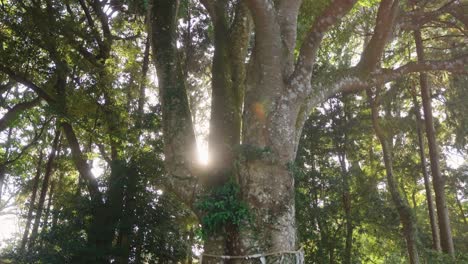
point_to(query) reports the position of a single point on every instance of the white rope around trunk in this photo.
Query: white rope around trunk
(299, 254)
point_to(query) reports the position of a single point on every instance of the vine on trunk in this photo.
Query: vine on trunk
(222, 209)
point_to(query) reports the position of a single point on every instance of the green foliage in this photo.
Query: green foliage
(222, 208)
(434, 257)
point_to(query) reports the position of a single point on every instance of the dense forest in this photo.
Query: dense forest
(234, 131)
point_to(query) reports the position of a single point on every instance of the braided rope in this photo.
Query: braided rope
(298, 253)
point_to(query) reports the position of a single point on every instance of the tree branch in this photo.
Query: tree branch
(350, 81)
(14, 112)
(105, 46)
(81, 163)
(26, 82)
(267, 35)
(7, 86)
(90, 21)
(178, 132)
(288, 11)
(372, 54)
(25, 148)
(329, 17)
(417, 18)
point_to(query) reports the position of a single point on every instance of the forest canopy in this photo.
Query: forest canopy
(239, 131)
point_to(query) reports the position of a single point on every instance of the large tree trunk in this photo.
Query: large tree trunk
(446, 240)
(45, 186)
(278, 98)
(31, 203)
(406, 215)
(422, 155)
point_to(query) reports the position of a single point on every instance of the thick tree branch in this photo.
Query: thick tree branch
(459, 12)
(288, 11)
(26, 82)
(7, 86)
(350, 81)
(90, 22)
(228, 84)
(15, 111)
(417, 18)
(267, 36)
(81, 164)
(372, 54)
(104, 20)
(106, 43)
(329, 17)
(178, 133)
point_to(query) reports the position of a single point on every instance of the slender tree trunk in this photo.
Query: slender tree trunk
(31, 203)
(191, 235)
(2, 179)
(139, 240)
(49, 204)
(322, 241)
(51, 196)
(143, 82)
(345, 177)
(462, 212)
(422, 155)
(45, 186)
(128, 218)
(3, 165)
(404, 211)
(56, 210)
(347, 209)
(446, 240)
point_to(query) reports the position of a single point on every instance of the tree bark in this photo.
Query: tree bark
(128, 218)
(45, 186)
(347, 209)
(31, 203)
(342, 148)
(4, 164)
(438, 180)
(429, 200)
(2, 179)
(277, 100)
(404, 211)
(178, 133)
(228, 85)
(15, 111)
(462, 212)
